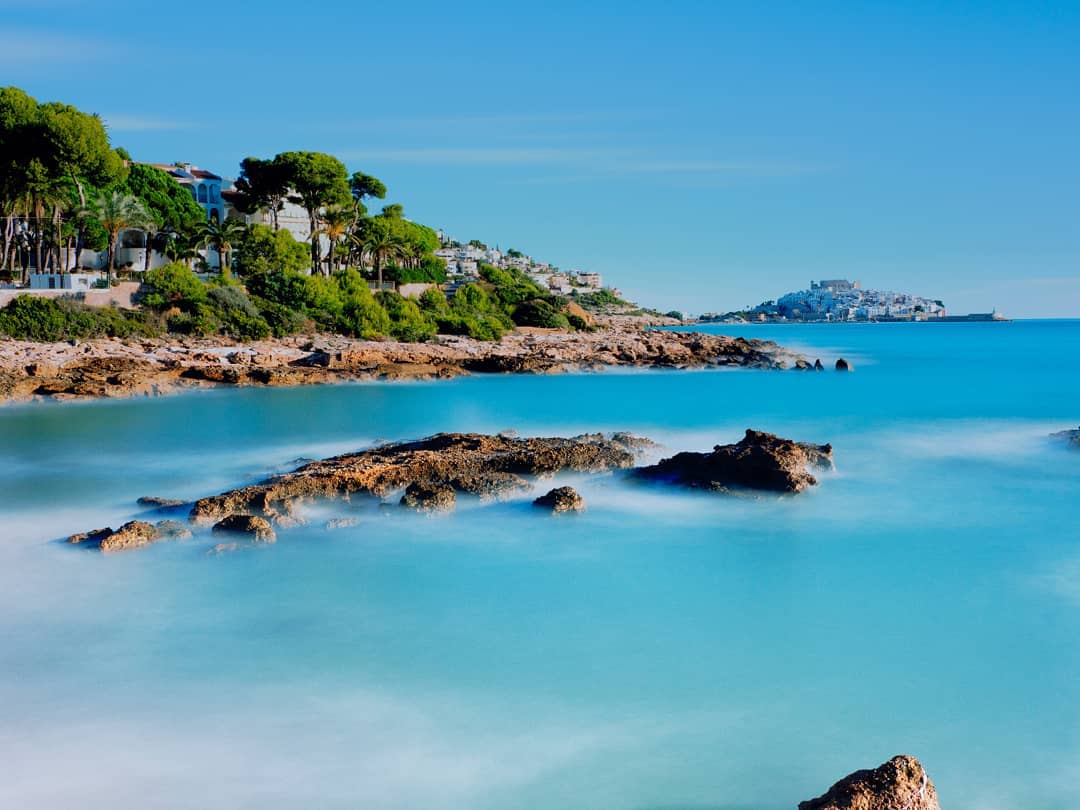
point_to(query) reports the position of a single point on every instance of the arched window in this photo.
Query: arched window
(194, 196)
(213, 194)
(202, 194)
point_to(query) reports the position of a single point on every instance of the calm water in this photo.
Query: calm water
(662, 650)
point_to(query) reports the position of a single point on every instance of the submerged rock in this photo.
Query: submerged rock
(159, 503)
(1070, 437)
(429, 498)
(341, 523)
(844, 365)
(172, 530)
(900, 784)
(759, 461)
(92, 537)
(258, 528)
(561, 499)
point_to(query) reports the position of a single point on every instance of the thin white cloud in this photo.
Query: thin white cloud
(39, 50)
(135, 122)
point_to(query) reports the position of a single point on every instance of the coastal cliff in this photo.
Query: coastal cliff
(146, 367)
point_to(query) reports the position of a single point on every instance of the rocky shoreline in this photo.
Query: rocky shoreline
(148, 367)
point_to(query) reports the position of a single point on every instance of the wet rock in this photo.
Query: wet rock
(172, 530)
(1069, 437)
(133, 534)
(258, 528)
(758, 461)
(844, 365)
(561, 499)
(429, 498)
(473, 463)
(802, 365)
(900, 784)
(159, 503)
(92, 537)
(818, 365)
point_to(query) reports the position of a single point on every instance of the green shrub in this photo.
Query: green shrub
(173, 285)
(407, 322)
(282, 320)
(290, 289)
(30, 317)
(263, 250)
(539, 313)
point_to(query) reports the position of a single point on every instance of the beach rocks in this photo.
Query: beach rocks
(473, 463)
(1069, 437)
(844, 365)
(758, 461)
(91, 538)
(900, 784)
(429, 498)
(561, 499)
(172, 530)
(818, 366)
(258, 528)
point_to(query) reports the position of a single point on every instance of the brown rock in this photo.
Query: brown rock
(429, 498)
(561, 499)
(133, 534)
(92, 537)
(488, 466)
(159, 503)
(172, 530)
(759, 461)
(259, 528)
(900, 784)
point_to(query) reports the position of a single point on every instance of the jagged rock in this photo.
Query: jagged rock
(133, 534)
(561, 499)
(259, 528)
(844, 365)
(899, 784)
(92, 537)
(172, 530)
(427, 498)
(802, 365)
(488, 466)
(818, 365)
(159, 503)
(1070, 437)
(759, 461)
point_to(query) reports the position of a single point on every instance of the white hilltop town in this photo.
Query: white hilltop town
(838, 299)
(137, 250)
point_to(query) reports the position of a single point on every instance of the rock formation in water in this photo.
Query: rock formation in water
(844, 365)
(432, 472)
(257, 528)
(561, 499)
(759, 461)
(1070, 437)
(900, 784)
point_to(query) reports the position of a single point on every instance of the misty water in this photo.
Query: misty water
(661, 650)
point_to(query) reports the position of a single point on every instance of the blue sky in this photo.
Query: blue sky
(701, 155)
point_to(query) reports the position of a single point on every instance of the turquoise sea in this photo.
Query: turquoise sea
(662, 651)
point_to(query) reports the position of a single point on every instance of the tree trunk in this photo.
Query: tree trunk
(146, 257)
(109, 256)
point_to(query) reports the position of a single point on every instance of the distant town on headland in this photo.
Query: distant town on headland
(838, 299)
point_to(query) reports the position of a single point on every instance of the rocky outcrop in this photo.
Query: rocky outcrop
(172, 530)
(429, 497)
(1069, 437)
(119, 368)
(900, 784)
(133, 534)
(90, 538)
(258, 528)
(759, 461)
(844, 365)
(561, 499)
(472, 463)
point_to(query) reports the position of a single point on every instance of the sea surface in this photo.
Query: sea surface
(661, 651)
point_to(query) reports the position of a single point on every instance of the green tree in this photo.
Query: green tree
(382, 246)
(318, 180)
(263, 184)
(116, 212)
(337, 222)
(262, 250)
(222, 237)
(168, 202)
(364, 186)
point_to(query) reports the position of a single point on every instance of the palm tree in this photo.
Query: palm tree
(221, 236)
(381, 246)
(337, 221)
(116, 212)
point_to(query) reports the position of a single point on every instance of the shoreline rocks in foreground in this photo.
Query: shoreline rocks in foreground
(432, 472)
(147, 367)
(900, 784)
